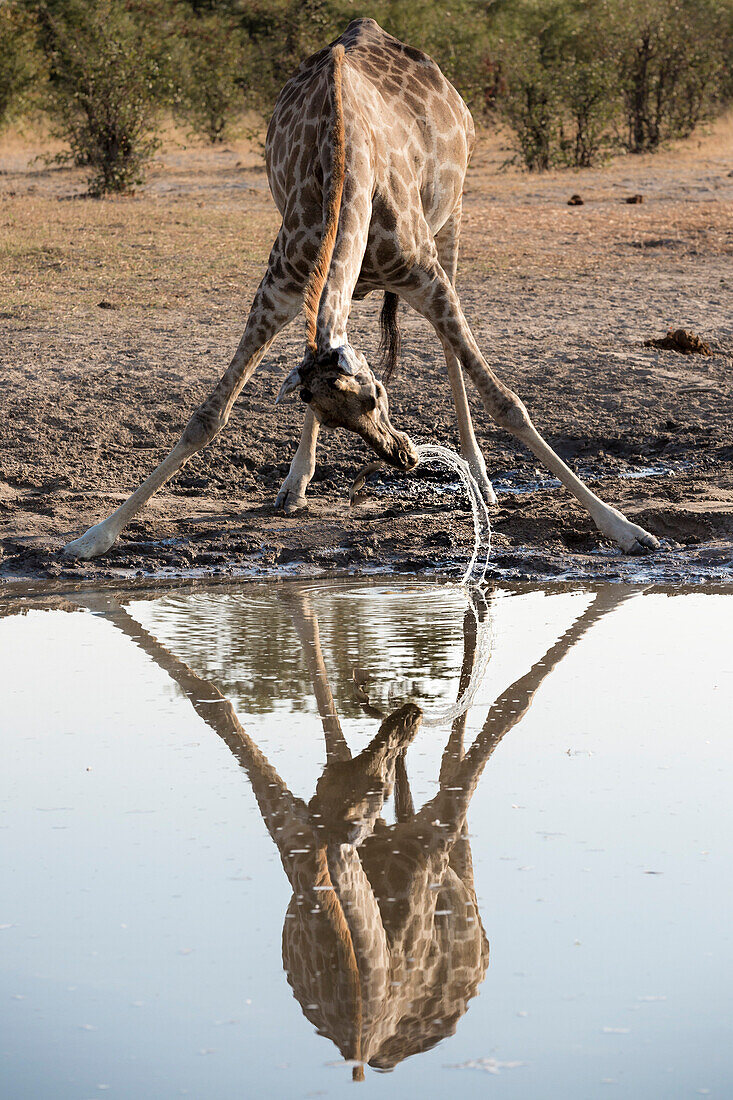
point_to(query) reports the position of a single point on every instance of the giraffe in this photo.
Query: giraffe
(367, 151)
(383, 944)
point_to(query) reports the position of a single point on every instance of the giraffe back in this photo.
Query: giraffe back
(409, 136)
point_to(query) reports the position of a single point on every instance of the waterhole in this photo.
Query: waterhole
(235, 862)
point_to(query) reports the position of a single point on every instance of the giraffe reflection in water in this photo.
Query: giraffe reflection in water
(383, 943)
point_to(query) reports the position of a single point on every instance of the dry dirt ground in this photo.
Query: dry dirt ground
(561, 299)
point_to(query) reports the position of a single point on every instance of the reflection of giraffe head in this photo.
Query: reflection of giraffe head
(350, 793)
(383, 943)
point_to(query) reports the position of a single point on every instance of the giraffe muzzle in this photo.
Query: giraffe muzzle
(394, 448)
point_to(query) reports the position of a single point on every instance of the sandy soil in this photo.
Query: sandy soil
(561, 299)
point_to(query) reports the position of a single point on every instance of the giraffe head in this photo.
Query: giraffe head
(342, 391)
(351, 793)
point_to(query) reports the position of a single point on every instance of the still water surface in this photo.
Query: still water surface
(533, 900)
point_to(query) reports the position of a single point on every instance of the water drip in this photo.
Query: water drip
(476, 569)
(474, 575)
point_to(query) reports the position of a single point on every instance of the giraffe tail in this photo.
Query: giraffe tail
(337, 142)
(390, 341)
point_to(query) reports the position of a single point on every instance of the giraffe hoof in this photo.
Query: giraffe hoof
(629, 536)
(289, 502)
(643, 544)
(97, 540)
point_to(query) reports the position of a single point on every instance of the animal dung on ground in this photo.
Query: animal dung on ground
(680, 340)
(575, 200)
(634, 200)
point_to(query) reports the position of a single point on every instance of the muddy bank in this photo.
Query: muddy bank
(421, 526)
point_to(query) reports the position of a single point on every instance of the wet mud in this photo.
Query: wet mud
(421, 525)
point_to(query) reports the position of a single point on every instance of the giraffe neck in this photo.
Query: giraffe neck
(339, 272)
(333, 910)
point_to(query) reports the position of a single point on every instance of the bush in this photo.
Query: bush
(535, 54)
(673, 63)
(105, 79)
(571, 78)
(580, 76)
(20, 62)
(215, 64)
(587, 84)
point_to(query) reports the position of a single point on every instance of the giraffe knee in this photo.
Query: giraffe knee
(205, 423)
(510, 413)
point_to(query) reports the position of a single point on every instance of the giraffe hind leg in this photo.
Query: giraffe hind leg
(446, 243)
(291, 497)
(274, 305)
(432, 294)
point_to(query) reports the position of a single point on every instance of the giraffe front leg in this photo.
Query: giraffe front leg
(431, 293)
(291, 497)
(272, 308)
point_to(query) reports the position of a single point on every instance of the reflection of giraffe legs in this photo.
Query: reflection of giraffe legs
(305, 621)
(279, 808)
(452, 801)
(369, 963)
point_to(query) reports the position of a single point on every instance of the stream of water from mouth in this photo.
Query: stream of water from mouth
(473, 577)
(476, 569)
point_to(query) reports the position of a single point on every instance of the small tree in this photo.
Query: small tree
(215, 62)
(104, 81)
(532, 110)
(529, 52)
(674, 61)
(558, 87)
(20, 62)
(588, 81)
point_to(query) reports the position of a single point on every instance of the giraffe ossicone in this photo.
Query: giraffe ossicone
(346, 360)
(367, 152)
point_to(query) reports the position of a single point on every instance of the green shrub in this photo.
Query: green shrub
(582, 76)
(571, 79)
(532, 50)
(21, 64)
(674, 61)
(216, 62)
(587, 84)
(104, 85)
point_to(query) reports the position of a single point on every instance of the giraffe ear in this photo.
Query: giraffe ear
(291, 383)
(347, 361)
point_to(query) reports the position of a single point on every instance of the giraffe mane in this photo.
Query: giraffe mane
(334, 913)
(337, 143)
